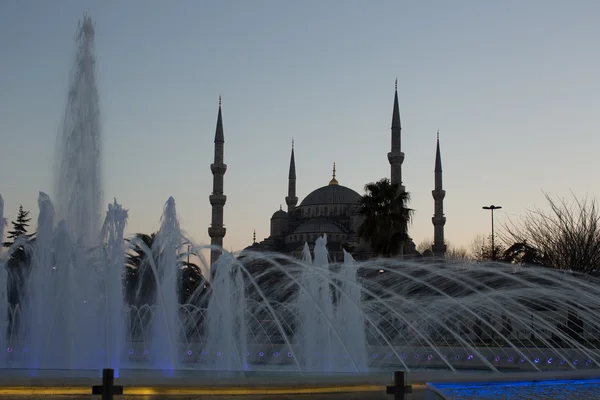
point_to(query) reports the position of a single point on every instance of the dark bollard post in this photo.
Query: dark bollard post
(108, 388)
(400, 388)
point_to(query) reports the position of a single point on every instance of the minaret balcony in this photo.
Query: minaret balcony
(218, 169)
(438, 221)
(291, 201)
(217, 231)
(395, 157)
(438, 194)
(217, 199)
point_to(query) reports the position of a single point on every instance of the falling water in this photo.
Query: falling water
(78, 177)
(165, 328)
(3, 276)
(42, 288)
(2, 220)
(226, 338)
(349, 319)
(112, 232)
(315, 311)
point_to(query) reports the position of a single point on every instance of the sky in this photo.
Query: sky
(511, 85)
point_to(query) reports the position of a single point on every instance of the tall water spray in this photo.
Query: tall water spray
(165, 328)
(226, 338)
(42, 288)
(2, 220)
(4, 308)
(114, 259)
(350, 319)
(78, 163)
(315, 311)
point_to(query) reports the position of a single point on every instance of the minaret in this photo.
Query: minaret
(396, 156)
(217, 198)
(438, 220)
(291, 200)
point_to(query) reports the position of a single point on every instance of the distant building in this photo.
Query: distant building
(329, 210)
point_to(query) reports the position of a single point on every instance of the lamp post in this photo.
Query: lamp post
(492, 208)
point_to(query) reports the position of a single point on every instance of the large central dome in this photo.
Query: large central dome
(331, 194)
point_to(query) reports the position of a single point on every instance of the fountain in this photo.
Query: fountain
(268, 313)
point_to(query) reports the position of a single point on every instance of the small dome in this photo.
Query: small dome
(318, 226)
(279, 214)
(331, 194)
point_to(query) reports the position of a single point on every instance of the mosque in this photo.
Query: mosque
(329, 210)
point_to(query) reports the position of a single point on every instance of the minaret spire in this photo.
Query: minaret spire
(291, 200)
(254, 237)
(333, 181)
(438, 220)
(216, 231)
(396, 156)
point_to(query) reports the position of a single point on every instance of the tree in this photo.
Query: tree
(567, 236)
(140, 282)
(19, 227)
(481, 249)
(457, 253)
(384, 217)
(424, 245)
(523, 253)
(19, 259)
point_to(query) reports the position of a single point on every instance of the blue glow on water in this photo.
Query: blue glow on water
(551, 389)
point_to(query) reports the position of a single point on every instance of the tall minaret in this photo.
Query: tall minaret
(396, 156)
(217, 198)
(438, 220)
(291, 200)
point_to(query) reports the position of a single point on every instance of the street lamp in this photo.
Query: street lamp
(492, 208)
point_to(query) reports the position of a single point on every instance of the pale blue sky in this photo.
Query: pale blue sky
(512, 86)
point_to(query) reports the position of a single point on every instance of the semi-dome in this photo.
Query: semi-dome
(317, 226)
(331, 194)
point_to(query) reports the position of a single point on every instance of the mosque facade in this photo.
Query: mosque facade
(328, 210)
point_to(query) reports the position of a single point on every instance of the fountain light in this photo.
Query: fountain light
(261, 354)
(146, 351)
(25, 349)
(189, 353)
(9, 349)
(550, 360)
(588, 362)
(562, 361)
(510, 359)
(276, 354)
(470, 357)
(388, 355)
(537, 360)
(429, 357)
(575, 362)
(219, 354)
(497, 358)
(131, 351)
(290, 354)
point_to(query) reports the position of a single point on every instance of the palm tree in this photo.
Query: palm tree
(140, 282)
(385, 217)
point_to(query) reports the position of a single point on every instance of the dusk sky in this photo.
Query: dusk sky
(511, 85)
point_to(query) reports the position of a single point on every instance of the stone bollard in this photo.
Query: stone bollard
(399, 389)
(108, 388)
